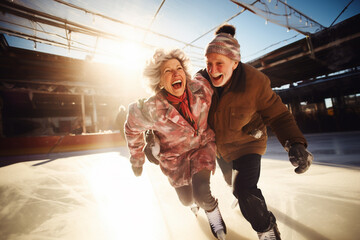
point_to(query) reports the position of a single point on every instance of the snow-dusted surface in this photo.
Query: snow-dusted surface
(95, 196)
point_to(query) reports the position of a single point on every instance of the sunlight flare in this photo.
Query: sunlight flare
(126, 54)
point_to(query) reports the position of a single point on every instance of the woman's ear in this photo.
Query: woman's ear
(161, 84)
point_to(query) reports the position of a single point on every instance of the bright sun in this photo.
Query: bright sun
(126, 54)
(127, 61)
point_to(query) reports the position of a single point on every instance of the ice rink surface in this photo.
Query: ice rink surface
(94, 196)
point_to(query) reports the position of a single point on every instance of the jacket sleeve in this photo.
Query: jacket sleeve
(138, 121)
(277, 116)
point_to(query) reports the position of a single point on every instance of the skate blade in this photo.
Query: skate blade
(235, 203)
(195, 210)
(221, 235)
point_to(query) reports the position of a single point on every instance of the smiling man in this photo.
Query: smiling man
(243, 104)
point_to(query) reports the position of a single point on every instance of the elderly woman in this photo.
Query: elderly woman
(177, 114)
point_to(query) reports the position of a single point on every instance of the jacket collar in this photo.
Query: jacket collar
(237, 81)
(192, 86)
(170, 111)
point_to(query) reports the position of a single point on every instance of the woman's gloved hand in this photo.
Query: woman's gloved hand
(137, 171)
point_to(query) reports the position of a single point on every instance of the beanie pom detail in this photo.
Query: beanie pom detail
(229, 29)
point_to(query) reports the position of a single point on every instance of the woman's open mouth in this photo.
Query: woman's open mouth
(177, 84)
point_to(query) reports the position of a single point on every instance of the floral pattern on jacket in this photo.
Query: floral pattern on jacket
(183, 152)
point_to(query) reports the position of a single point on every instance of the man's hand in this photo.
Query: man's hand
(300, 157)
(137, 171)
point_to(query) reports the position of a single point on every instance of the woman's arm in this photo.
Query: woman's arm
(137, 122)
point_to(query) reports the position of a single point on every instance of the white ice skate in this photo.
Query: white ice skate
(272, 234)
(217, 224)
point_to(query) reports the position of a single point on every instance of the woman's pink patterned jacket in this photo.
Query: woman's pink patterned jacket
(183, 152)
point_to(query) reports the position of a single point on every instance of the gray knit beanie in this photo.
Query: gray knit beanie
(224, 43)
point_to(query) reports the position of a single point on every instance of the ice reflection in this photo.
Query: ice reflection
(127, 206)
(96, 196)
(92, 197)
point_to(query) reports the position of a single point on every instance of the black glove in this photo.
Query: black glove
(149, 155)
(137, 171)
(300, 157)
(150, 138)
(150, 143)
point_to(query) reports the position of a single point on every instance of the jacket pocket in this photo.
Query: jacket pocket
(239, 117)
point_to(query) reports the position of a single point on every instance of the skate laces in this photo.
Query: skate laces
(215, 220)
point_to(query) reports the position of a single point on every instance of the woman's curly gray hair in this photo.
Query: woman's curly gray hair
(152, 69)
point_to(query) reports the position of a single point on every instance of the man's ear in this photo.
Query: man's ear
(235, 65)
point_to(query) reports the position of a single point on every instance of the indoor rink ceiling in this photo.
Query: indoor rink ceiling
(89, 28)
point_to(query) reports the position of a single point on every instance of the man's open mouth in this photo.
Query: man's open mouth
(217, 77)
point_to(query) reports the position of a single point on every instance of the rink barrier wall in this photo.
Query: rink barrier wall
(54, 144)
